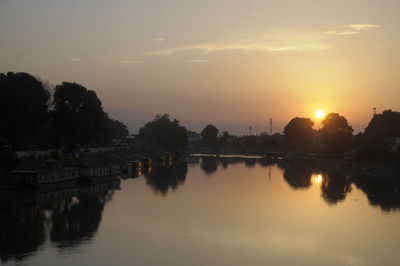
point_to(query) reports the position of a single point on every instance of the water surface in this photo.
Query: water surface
(227, 211)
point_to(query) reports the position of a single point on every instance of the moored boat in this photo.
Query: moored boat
(49, 178)
(93, 171)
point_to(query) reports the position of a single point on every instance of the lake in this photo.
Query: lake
(226, 211)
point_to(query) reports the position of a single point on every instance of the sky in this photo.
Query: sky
(230, 63)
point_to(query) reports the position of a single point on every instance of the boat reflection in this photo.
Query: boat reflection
(65, 218)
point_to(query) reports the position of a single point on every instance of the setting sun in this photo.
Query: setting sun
(320, 113)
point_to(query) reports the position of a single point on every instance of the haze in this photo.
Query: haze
(231, 63)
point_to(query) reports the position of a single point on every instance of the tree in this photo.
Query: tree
(23, 108)
(113, 130)
(78, 115)
(388, 121)
(373, 144)
(299, 133)
(210, 135)
(224, 138)
(336, 133)
(165, 133)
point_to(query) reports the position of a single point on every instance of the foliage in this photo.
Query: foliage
(373, 144)
(299, 133)
(78, 114)
(224, 138)
(113, 130)
(336, 133)
(165, 133)
(388, 121)
(210, 135)
(23, 108)
(78, 117)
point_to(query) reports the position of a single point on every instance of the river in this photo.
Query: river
(226, 211)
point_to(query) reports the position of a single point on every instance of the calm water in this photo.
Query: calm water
(208, 212)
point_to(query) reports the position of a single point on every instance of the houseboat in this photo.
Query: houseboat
(49, 178)
(135, 166)
(90, 172)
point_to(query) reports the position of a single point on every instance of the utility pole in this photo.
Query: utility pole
(250, 129)
(270, 126)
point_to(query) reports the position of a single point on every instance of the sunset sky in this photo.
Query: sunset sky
(231, 63)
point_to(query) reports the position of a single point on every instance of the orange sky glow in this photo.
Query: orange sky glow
(234, 64)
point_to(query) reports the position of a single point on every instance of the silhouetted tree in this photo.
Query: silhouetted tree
(336, 133)
(388, 122)
(165, 133)
(224, 138)
(373, 144)
(78, 114)
(210, 135)
(299, 133)
(23, 108)
(113, 130)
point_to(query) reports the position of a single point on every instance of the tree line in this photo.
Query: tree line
(35, 115)
(336, 135)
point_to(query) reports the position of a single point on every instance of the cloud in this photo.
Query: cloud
(334, 32)
(351, 29)
(245, 46)
(74, 59)
(363, 27)
(197, 61)
(159, 39)
(131, 62)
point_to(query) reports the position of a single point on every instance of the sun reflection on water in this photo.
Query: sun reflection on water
(317, 179)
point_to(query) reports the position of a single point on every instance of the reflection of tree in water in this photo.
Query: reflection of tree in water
(334, 187)
(386, 195)
(250, 162)
(22, 231)
(76, 219)
(224, 162)
(71, 219)
(298, 176)
(161, 179)
(209, 164)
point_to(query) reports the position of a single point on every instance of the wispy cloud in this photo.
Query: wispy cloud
(351, 29)
(197, 61)
(361, 27)
(335, 32)
(74, 59)
(245, 46)
(159, 39)
(131, 62)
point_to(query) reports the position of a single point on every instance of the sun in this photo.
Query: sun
(320, 114)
